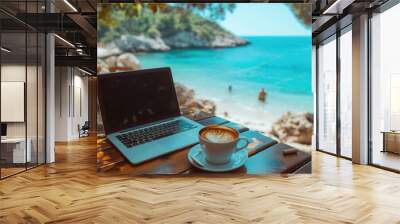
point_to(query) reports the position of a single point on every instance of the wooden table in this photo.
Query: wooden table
(266, 160)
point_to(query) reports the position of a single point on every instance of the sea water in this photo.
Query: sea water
(279, 64)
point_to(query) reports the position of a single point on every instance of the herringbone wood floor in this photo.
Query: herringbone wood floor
(70, 192)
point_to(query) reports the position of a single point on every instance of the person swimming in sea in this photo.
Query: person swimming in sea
(262, 95)
(230, 88)
(226, 114)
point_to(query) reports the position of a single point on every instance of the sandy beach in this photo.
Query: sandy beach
(254, 118)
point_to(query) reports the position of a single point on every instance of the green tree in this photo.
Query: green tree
(215, 11)
(106, 12)
(302, 12)
(166, 19)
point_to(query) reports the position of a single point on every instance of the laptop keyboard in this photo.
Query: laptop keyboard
(152, 133)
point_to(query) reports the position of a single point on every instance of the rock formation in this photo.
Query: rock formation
(132, 43)
(189, 40)
(294, 127)
(128, 60)
(188, 102)
(123, 62)
(102, 66)
(105, 51)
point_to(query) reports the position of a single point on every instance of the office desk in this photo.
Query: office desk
(391, 141)
(13, 150)
(267, 160)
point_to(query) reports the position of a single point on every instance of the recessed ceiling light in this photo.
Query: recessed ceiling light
(70, 5)
(64, 40)
(86, 72)
(5, 50)
(337, 7)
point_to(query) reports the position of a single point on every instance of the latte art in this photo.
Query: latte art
(219, 143)
(219, 135)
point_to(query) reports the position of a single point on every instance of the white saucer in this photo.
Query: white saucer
(197, 159)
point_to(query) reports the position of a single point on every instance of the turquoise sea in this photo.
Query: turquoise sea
(280, 64)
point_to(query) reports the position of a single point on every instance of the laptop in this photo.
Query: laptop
(141, 114)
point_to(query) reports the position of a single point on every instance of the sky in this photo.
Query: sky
(264, 19)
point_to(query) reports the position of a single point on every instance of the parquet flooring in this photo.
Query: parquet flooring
(10, 171)
(69, 191)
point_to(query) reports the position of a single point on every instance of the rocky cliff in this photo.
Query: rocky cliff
(190, 40)
(294, 127)
(131, 43)
(172, 28)
(117, 62)
(188, 102)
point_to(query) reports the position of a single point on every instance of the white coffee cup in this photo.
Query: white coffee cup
(219, 143)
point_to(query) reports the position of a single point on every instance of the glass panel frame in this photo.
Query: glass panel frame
(337, 142)
(13, 73)
(345, 92)
(327, 95)
(384, 72)
(27, 59)
(31, 100)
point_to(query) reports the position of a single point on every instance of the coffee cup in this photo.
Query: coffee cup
(219, 143)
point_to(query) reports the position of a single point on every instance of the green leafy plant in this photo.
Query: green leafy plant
(167, 19)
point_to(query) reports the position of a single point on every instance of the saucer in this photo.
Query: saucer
(197, 159)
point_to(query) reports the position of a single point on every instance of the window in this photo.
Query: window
(346, 93)
(22, 78)
(385, 89)
(327, 96)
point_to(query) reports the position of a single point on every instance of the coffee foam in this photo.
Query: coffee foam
(218, 135)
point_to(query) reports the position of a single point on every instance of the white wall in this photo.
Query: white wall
(80, 103)
(13, 73)
(34, 125)
(70, 83)
(62, 81)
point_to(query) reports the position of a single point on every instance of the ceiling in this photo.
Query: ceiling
(330, 15)
(74, 22)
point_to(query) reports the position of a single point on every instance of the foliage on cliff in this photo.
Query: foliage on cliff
(302, 12)
(165, 19)
(161, 20)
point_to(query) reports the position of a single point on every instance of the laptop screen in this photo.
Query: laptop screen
(3, 129)
(130, 99)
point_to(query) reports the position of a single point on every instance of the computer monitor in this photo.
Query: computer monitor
(3, 129)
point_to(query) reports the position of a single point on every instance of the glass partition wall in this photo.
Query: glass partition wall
(345, 108)
(327, 95)
(385, 89)
(13, 89)
(22, 77)
(334, 85)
